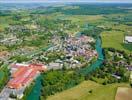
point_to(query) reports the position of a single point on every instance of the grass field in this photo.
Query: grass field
(82, 92)
(114, 39)
(81, 19)
(4, 22)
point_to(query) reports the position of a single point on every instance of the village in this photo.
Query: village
(76, 51)
(70, 52)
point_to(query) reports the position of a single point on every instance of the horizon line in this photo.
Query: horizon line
(64, 2)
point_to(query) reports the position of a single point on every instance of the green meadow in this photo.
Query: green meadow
(89, 90)
(114, 39)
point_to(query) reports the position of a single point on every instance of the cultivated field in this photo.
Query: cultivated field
(114, 39)
(124, 93)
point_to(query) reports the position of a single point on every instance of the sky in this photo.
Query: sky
(105, 1)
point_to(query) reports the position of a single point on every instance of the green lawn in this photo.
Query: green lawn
(114, 39)
(81, 92)
(81, 19)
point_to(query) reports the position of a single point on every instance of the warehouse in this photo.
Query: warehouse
(24, 74)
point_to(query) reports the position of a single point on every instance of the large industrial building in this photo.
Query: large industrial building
(23, 75)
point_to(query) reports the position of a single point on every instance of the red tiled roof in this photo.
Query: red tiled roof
(20, 71)
(24, 75)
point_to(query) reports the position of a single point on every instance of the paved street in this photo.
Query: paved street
(5, 93)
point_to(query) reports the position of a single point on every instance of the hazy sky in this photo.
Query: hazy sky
(121, 1)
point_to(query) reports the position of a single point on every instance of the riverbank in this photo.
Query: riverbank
(36, 91)
(98, 62)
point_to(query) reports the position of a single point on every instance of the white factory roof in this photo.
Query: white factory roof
(128, 39)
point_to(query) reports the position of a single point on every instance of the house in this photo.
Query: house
(54, 65)
(10, 41)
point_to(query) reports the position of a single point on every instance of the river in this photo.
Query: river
(98, 62)
(36, 92)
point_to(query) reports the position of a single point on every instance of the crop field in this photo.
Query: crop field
(114, 39)
(81, 18)
(85, 17)
(124, 93)
(88, 90)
